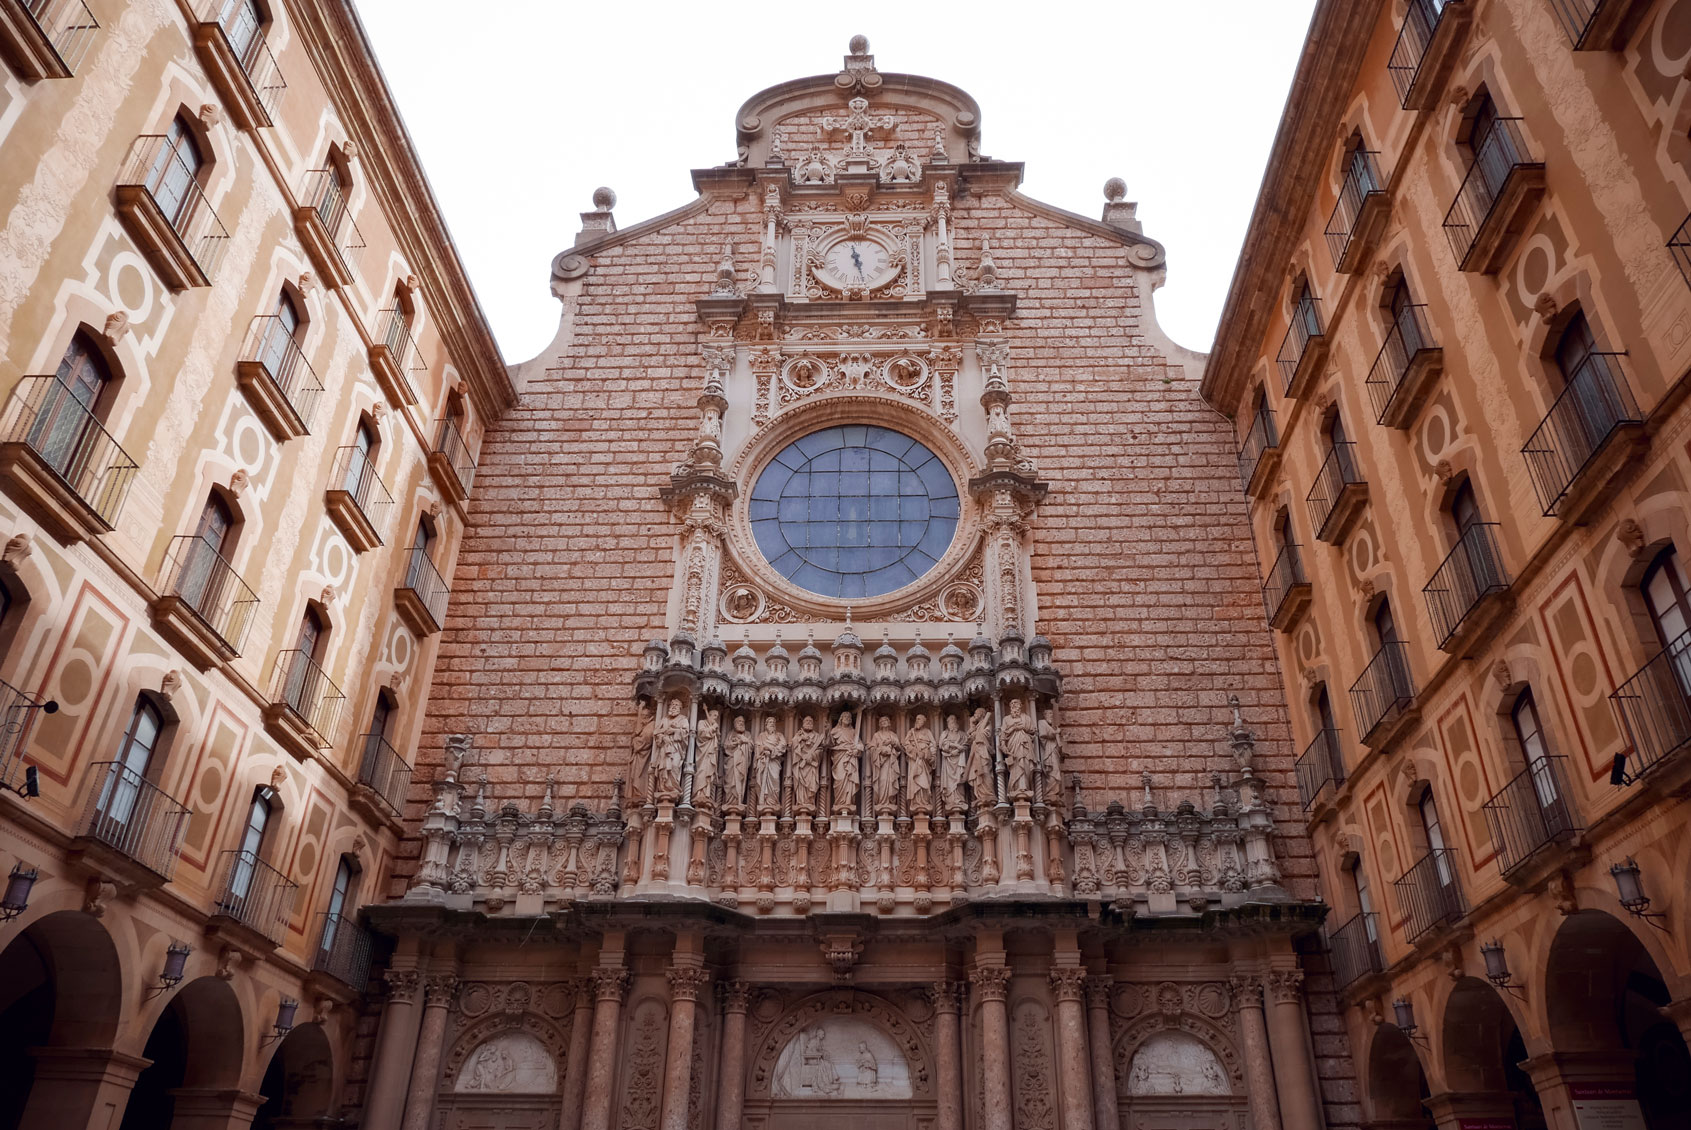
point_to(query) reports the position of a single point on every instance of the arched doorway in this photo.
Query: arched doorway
(1396, 1084)
(61, 988)
(1605, 1017)
(1483, 1053)
(195, 1046)
(299, 1085)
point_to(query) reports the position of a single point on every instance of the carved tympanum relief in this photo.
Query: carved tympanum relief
(841, 1057)
(509, 1063)
(1174, 1063)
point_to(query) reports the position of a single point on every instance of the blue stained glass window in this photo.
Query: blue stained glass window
(854, 511)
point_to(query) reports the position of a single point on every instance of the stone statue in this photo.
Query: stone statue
(954, 762)
(845, 749)
(739, 750)
(884, 751)
(981, 774)
(1015, 738)
(919, 754)
(868, 1068)
(771, 752)
(640, 756)
(457, 745)
(670, 754)
(806, 765)
(1051, 751)
(706, 753)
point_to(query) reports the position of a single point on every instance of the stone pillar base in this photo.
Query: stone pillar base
(80, 1087)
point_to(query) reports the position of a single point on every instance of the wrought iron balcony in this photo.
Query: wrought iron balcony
(1531, 812)
(1304, 348)
(1358, 212)
(1502, 187)
(343, 950)
(1405, 369)
(277, 379)
(255, 895)
(385, 774)
(130, 816)
(325, 226)
(205, 607)
(309, 697)
(159, 197)
(1384, 692)
(421, 599)
(1338, 494)
(1355, 950)
(1599, 25)
(239, 62)
(1259, 454)
(1655, 706)
(451, 463)
(1566, 456)
(394, 357)
(17, 714)
(62, 465)
(1320, 765)
(45, 38)
(1286, 593)
(1472, 572)
(1430, 894)
(357, 499)
(1425, 49)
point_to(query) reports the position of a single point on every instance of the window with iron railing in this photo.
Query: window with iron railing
(1338, 471)
(1472, 571)
(58, 424)
(131, 815)
(207, 583)
(1497, 149)
(1384, 689)
(1415, 35)
(1593, 406)
(1305, 328)
(1408, 338)
(1362, 184)
(1531, 812)
(1321, 764)
(66, 28)
(1429, 894)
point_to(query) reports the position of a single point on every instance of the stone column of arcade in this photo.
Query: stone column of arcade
(731, 1081)
(425, 1068)
(75, 1087)
(396, 1045)
(197, 1109)
(1259, 1068)
(1068, 983)
(948, 1054)
(609, 985)
(992, 984)
(687, 976)
(575, 1063)
(1106, 1109)
(1288, 1038)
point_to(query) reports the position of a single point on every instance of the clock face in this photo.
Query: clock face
(855, 263)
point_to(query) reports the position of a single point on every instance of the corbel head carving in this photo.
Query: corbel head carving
(1630, 534)
(210, 114)
(117, 324)
(18, 547)
(238, 483)
(1545, 306)
(1505, 677)
(170, 684)
(277, 776)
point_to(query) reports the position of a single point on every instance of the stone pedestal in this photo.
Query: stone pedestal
(425, 1067)
(1554, 1074)
(992, 984)
(221, 1109)
(79, 1087)
(1259, 1067)
(609, 984)
(396, 1046)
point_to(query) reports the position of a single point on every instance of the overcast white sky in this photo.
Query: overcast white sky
(521, 115)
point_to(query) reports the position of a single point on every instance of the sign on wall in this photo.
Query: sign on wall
(1605, 1106)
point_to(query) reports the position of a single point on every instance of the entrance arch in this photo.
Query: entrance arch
(299, 1084)
(1397, 1085)
(1483, 1053)
(196, 1045)
(61, 992)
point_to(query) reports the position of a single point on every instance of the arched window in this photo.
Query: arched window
(243, 24)
(1305, 314)
(205, 571)
(250, 853)
(1358, 879)
(341, 896)
(279, 351)
(424, 541)
(1385, 627)
(1465, 508)
(1428, 810)
(1324, 713)
(1400, 307)
(67, 423)
(173, 180)
(381, 718)
(312, 633)
(361, 464)
(128, 775)
(1665, 590)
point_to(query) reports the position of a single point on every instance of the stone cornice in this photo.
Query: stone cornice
(333, 35)
(1326, 74)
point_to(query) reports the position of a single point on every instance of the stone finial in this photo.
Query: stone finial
(599, 222)
(987, 274)
(1115, 190)
(725, 272)
(604, 199)
(1119, 211)
(859, 45)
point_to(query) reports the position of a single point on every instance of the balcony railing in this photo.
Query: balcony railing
(354, 474)
(251, 53)
(384, 772)
(1593, 406)
(1284, 579)
(255, 894)
(326, 196)
(1338, 471)
(1259, 441)
(1407, 343)
(1655, 706)
(424, 580)
(1306, 329)
(45, 416)
(272, 346)
(1362, 187)
(1430, 895)
(1472, 572)
(17, 713)
(396, 335)
(1321, 764)
(1592, 25)
(343, 950)
(456, 453)
(1384, 690)
(1420, 23)
(1679, 246)
(134, 817)
(155, 168)
(1501, 153)
(1355, 950)
(1531, 812)
(63, 30)
(300, 685)
(208, 585)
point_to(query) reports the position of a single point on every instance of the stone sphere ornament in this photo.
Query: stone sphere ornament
(604, 199)
(859, 45)
(1115, 190)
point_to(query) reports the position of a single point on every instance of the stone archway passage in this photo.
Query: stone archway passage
(1483, 1053)
(1397, 1085)
(299, 1085)
(196, 1052)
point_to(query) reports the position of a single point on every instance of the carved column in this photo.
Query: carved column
(396, 1045)
(685, 981)
(992, 987)
(731, 1075)
(948, 1054)
(1067, 984)
(1106, 1109)
(609, 985)
(1288, 1037)
(575, 1064)
(425, 1069)
(1259, 1070)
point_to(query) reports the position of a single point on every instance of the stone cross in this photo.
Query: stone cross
(858, 123)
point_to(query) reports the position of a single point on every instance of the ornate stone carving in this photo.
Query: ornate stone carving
(1068, 982)
(992, 982)
(1036, 1107)
(1285, 986)
(842, 1011)
(642, 1087)
(403, 985)
(609, 984)
(687, 981)
(511, 1062)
